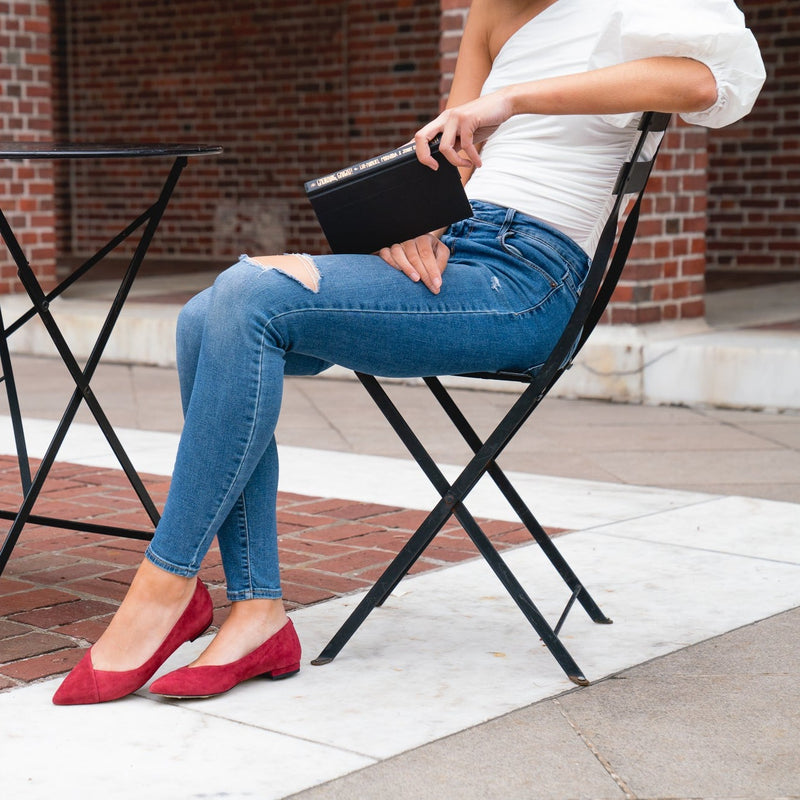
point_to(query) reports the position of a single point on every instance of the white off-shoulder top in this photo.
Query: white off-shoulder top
(561, 169)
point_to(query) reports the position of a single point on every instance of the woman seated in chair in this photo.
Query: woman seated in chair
(543, 109)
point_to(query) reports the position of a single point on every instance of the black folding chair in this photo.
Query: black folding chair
(597, 291)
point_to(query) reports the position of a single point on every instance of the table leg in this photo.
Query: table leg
(14, 409)
(81, 377)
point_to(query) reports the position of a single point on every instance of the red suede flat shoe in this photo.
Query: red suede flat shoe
(86, 685)
(278, 657)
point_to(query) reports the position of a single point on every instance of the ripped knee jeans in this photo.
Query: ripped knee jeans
(507, 292)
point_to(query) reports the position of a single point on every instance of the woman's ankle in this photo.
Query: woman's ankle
(248, 625)
(153, 583)
(154, 602)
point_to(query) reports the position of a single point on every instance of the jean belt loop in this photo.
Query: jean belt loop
(507, 222)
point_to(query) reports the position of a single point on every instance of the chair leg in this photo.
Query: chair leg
(450, 504)
(409, 554)
(426, 463)
(549, 636)
(400, 566)
(518, 505)
(384, 586)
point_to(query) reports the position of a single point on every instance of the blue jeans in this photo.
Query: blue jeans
(509, 288)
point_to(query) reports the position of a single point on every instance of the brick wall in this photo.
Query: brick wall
(664, 278)
(754, 204)
(26, 188)
(454, 17)
(290, 91)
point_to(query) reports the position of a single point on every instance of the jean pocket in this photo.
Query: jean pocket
(545, 260)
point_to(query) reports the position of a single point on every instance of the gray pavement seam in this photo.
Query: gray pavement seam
(594, 750)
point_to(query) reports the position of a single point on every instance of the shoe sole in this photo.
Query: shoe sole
(272, 675)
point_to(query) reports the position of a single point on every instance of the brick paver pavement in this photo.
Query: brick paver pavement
(60, 587)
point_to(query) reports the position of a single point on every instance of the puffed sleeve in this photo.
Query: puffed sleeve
(710, 31)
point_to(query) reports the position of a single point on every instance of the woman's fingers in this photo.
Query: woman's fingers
(417, 261)
(421, 142)
(396, 256)
(462, 128)
(453, 139)
(422, 259)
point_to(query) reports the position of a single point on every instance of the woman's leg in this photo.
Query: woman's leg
(157, 597)
(251, 621)
(137, 629)
(491, 314)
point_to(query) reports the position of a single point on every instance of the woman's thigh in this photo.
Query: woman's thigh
(493, 312)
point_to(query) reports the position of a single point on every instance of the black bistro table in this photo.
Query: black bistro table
(147, 221)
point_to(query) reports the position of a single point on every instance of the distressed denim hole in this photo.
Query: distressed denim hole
(295, 265)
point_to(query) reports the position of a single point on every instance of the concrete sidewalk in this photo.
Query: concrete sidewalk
(690, 516)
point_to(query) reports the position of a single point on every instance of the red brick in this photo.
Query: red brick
(98, 587)
(299, 595)
(448, 554)
(338, 584)
(406, 520)
(355, 561)
(32, 644)
(344, 532)
(88, 630)
(83, 569)
(210, 574)
(36, 598)
(422, 564)
(123, 543)
(10, 586)
(212, 559)
(305, 520)
(318, 506)
(391, 540)
(514, 536)
(38, 563)
(62, 540)
(8, 629)
(360, 511)
(109, 554)
(309, 550)
(289, 498)
(290, 558)
(32, 669)
(64, 614)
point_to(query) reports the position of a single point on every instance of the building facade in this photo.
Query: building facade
(294, 94)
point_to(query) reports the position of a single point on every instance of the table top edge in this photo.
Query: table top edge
(53, 149)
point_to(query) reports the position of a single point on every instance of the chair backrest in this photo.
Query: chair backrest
(603, 276)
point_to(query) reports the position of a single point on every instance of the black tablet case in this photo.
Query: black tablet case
(387, 199)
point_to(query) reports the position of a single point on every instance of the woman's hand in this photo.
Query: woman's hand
(462, 128)
(421, 259)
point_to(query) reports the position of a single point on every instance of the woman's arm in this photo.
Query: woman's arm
(650, 84)
(474, 62)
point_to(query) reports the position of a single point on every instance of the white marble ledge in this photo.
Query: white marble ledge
(114, 750)
(744, 526)
(557, 502)
(448, 651)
